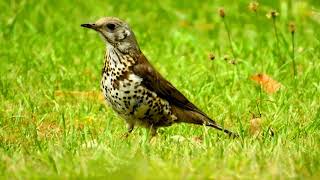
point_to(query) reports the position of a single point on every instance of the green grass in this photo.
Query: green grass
(43, 50)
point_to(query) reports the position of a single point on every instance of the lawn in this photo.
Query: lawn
(54, 124)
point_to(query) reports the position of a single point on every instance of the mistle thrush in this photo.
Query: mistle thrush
(135, 89)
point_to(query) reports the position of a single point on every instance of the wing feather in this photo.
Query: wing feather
(164, 89)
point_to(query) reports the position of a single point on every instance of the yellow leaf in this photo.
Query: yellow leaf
(255, 126)
(267, 83)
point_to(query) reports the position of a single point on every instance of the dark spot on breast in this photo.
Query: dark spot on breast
(147, 112)
(127, 92)
(123, 76)
(115, 84)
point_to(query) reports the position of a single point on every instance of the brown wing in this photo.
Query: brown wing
(164, 89)
(183, 108)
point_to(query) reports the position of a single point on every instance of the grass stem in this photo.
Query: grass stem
(229, 38)
(276, 35)
(293, 55)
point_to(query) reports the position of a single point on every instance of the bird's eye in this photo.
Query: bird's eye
(111, 26)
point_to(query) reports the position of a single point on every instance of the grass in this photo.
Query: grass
(44, 51)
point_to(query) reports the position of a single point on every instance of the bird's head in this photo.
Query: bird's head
(116, 33)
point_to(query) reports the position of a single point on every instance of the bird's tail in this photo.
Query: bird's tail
(195, 117)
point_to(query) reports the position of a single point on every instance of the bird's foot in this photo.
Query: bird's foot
(125, 135)
(154, 140)
(130, 129)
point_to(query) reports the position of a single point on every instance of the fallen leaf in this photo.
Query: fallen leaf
(255, 126)
(268, 84)
(197, 139)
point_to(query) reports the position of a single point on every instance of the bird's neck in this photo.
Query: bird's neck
(113, 56)
(117, 60)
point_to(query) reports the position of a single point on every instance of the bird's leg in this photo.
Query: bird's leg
(130, 127)
(153, 131)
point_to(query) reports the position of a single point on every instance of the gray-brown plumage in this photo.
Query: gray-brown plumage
(135, 90)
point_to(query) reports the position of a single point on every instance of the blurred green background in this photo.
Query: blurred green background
(52, 123)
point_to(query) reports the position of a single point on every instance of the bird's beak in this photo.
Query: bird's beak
(90, 26)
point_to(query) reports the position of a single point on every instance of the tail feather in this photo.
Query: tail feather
(215, 125)
(194, 117)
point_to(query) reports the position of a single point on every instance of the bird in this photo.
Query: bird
(135, 90)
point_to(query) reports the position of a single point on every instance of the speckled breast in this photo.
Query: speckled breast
(124, 92)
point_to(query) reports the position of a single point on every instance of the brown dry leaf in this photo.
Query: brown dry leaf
(197, 139)
(267, 83)
(80, 94)
(255, 126)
